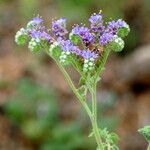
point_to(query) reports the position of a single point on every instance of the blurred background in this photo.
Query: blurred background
(37, 109)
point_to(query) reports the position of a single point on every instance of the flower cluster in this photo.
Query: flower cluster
(82, 42)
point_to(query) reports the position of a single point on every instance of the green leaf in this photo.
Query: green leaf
(114, 147)
(91, 134)
(145, 132)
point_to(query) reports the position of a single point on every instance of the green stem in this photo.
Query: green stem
(94, 120)
(108, 146)
(93, 114)
(70, 83)
(82, 101)
(148, 146)
(103, 60)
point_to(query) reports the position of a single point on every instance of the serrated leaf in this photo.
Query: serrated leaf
(145, 132)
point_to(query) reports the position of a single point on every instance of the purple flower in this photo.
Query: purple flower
(80, 30)
(121, 23)
(37, 20)
(84, 33)
(34, 23)
(76, 51)
(40, 35)
(66, 45)
(112, 27)
(106, 38)
(96, 21)
(46, 36)
(87, 54)
(59, 27)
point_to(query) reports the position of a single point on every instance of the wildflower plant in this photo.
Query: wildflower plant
(84, 48)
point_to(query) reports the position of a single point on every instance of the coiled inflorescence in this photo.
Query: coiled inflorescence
(83, 42)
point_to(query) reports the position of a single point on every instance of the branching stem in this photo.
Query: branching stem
(92, 114)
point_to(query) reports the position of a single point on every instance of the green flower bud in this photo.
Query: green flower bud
(55, 50)
(75, 38)
(64, 57)
(21, 37)
(122, 32)
(35, 45)
(145, 132)
(117, 44)
(88, 65)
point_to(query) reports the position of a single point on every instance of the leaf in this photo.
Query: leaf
(91, 134)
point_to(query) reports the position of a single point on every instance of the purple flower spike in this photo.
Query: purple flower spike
(106, 38)
(59, 27)
(87, 54)
(96, 21)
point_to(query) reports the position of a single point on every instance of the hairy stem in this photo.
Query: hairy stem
(93, 114)
(103, 60)
(70, 83)
(84, 104)
(94, 120)
(148, 146)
